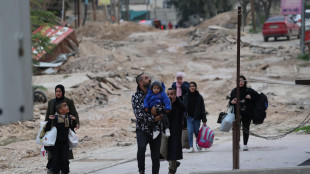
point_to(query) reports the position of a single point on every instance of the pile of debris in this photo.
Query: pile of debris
(118, 32)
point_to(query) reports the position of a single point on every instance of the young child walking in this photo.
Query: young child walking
(157, 97)
(63, 122)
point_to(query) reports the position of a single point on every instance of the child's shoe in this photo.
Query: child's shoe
(167, 132)
(155, 134)
(198, 147)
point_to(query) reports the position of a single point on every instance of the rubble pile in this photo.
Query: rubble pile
(111, 31)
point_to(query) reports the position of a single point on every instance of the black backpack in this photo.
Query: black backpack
(259, 110)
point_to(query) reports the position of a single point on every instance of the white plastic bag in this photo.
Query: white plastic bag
(228, 120)
(73, 140)
(43, 151)
(42, 124)
(49, 137)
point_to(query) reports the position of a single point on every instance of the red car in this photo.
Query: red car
(280, 26)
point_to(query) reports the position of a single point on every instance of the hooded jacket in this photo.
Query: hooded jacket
(152, 99)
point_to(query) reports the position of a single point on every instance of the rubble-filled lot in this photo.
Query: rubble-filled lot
(101, 80)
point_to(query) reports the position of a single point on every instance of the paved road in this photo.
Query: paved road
(289, 151)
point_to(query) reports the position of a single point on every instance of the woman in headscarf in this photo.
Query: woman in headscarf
(195, 112)
(247, 98)
(51, 110)
(181, 88)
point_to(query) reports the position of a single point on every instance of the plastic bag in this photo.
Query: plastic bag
(49, 137)
(73, 140)
(227, 122)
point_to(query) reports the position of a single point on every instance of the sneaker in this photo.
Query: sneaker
(198, 147)
(245, 148)
(155, 134)
(167, 132)
(191, 150)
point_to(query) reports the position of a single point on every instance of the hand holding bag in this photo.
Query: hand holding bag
(46, 138)
(73, 139)
(227, 122)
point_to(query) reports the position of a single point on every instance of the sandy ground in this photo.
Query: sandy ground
(101, 80)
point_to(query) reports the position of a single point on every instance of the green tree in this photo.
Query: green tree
(40, 17)
(203, 8)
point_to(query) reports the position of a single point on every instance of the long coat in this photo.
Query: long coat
(175, 117)
(72, 111)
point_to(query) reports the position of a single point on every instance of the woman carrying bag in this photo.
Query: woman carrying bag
(51, 110)
(248, 96)
(195, 112)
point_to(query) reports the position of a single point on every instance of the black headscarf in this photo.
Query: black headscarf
(62, 88)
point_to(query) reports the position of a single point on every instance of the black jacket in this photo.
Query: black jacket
(245, 105)
(200, 112)
(175, 117)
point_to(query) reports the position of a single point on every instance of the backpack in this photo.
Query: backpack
(259, 110)
(205, 137)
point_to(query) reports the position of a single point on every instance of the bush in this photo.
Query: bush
(303, 57)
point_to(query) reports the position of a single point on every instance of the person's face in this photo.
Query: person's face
(156, 89)
(192, 87)
(58, 93)
(180, 79)
(171, 94)
(146, 80)
(241, 82)
(64, 109)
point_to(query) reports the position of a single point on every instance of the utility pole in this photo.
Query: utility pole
(302, 40)
(63, 11)
(236, 123)
(94, 9)
(78, 11)
(253, 16)
(114, 11)
(127, 10)
(118, 11)
(155, 4)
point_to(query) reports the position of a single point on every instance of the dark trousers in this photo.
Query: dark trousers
(60, 158)
(142, 140)
(245, 127)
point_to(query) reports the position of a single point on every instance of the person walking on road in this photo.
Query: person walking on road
(143, 130)
(175, 141)
(51, 110)
(247, 98)
(195, 113)
(182, 88)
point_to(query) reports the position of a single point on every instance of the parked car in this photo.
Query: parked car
(280, 26)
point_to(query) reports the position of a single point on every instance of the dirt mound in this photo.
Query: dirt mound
(111, 31)
(227, 20)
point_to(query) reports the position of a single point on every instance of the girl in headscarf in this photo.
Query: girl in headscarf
(180, 86)
(195, 112)
(247, 98)
(51, 110)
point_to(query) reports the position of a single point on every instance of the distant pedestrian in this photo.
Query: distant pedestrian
(157, 97)
(175, 140)
(170, 26)
(51, 110)
(247, 98)
(143, 130)
(195, 113)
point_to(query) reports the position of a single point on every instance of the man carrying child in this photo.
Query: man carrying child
(157, 97)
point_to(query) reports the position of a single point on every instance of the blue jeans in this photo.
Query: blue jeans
(192, 127)
(142, 140)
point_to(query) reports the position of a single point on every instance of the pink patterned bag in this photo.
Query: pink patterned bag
(205, 137)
